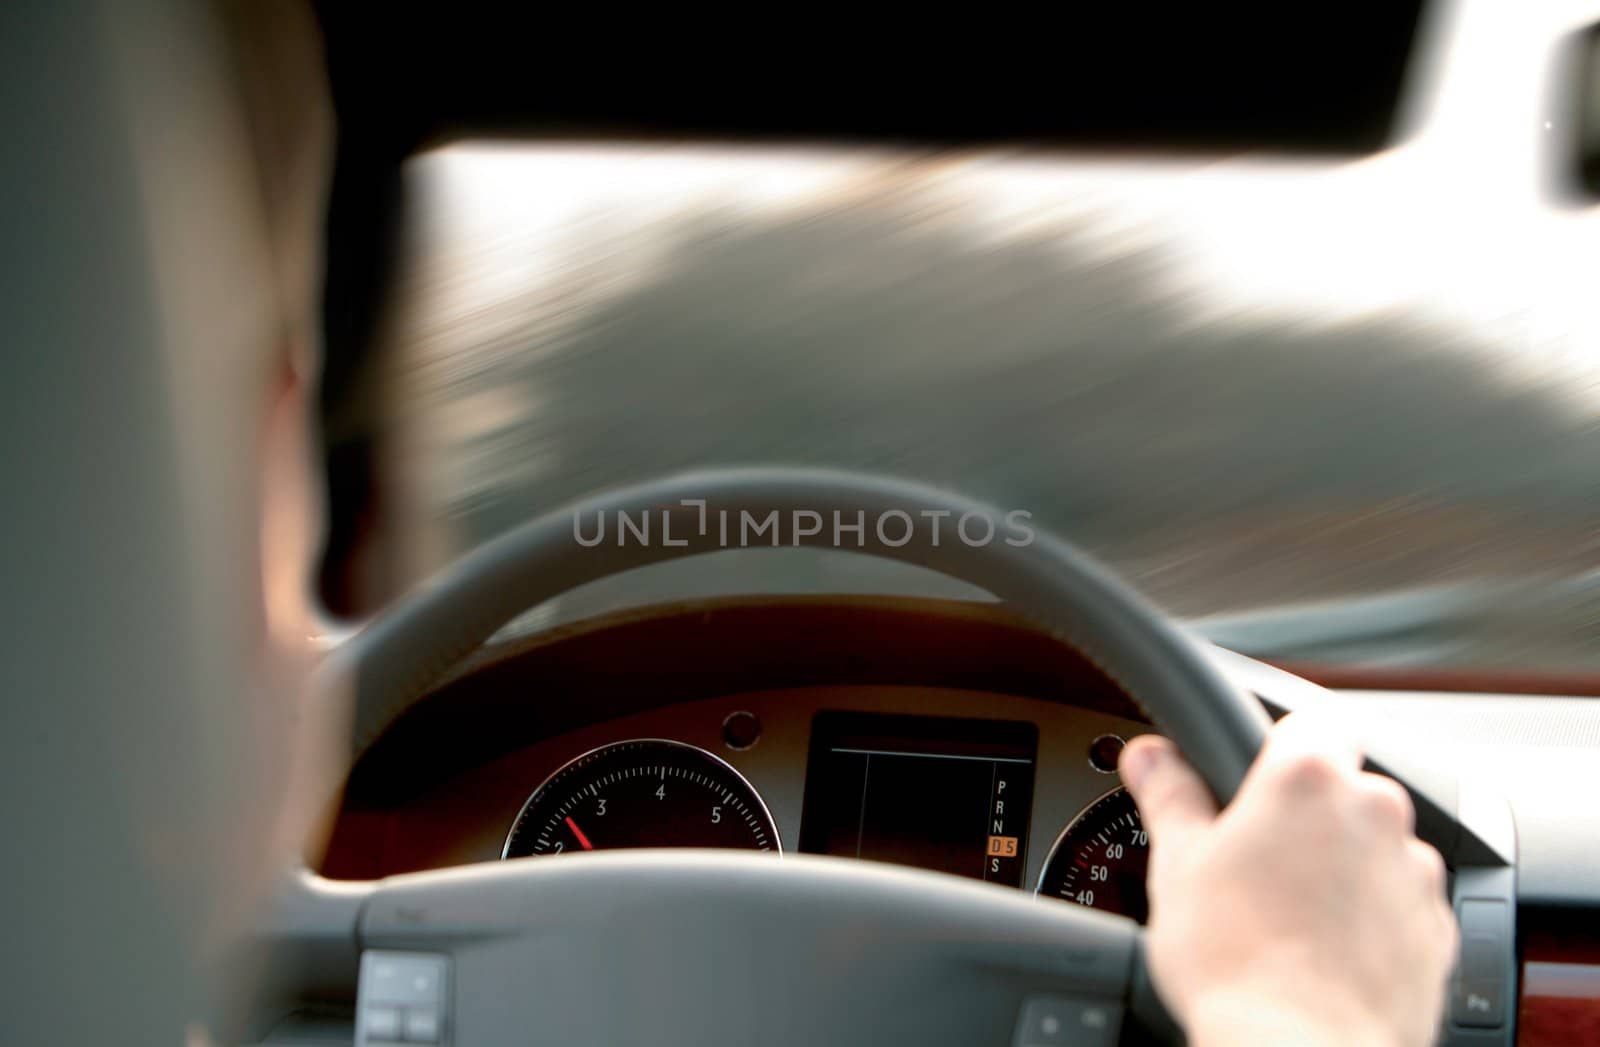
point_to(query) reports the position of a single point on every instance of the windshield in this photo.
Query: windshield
(1306, 405)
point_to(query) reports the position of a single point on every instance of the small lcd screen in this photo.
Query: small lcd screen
(953, 795)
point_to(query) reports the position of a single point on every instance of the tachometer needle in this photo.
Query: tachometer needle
(583, 841)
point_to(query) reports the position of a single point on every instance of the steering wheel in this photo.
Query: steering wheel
(690, 947)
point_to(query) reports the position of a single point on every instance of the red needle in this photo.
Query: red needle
(583, 841)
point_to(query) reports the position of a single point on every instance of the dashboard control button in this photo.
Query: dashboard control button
(400, 998)
(1482, 981)
(383, 1023)
(1478, 1001)
(1104, 752)
(1483, 916)
(741, 730)
(422, 1026)
(402, 979)
(1079, 1021)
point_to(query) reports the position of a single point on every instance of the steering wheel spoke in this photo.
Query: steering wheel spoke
(702, 947)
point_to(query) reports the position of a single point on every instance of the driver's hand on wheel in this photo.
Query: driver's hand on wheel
(1307, 912)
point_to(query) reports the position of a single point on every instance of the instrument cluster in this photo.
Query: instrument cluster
(1014, 791)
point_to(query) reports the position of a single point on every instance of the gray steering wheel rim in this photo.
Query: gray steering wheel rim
(1049, 582)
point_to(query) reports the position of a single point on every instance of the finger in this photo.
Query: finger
(1312, 747)
(1173, 801)
(1430, 869)
(1386, 803)
(1321, 732)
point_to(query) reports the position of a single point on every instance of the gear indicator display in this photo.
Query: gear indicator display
(952, 795)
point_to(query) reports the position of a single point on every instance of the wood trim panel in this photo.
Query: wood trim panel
(1559, 1001)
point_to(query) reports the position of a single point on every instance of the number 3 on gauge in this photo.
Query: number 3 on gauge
(645, 793)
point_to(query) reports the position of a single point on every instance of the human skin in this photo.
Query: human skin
(1306, 912)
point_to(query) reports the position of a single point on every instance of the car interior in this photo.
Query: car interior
(790, 463)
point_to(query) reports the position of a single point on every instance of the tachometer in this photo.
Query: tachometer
(1101, 858)
(645, 793)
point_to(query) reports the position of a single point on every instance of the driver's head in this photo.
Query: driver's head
(163, 211)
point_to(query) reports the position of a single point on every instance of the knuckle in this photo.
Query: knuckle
(1429, 865)
(1452, 930)
(1450, 937)
(1386, 802)
(1310, 772)
(1447, 940)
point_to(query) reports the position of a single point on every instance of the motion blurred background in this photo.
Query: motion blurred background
(1291, 321)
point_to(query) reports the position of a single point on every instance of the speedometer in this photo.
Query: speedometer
(1101, 858)
(644, 793)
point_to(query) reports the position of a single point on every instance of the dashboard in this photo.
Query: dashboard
(938, 735)
(973, 783)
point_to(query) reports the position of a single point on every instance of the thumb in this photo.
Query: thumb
(1173, 800)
